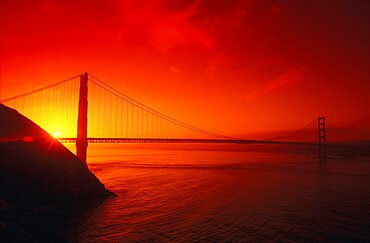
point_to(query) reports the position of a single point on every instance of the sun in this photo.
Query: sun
(56, 134)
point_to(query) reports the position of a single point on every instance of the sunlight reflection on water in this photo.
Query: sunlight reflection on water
(191, 195)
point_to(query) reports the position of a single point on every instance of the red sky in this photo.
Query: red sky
(232, 67)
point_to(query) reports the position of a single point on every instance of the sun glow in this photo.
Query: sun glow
(56, 134)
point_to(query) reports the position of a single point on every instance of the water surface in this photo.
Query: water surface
(180, 194)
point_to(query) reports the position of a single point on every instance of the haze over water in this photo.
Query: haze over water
(174, 193)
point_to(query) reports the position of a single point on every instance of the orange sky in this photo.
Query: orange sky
(232, 67)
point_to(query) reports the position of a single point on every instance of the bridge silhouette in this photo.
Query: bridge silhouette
(106, 115)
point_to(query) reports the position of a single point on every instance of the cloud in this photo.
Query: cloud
(166, 25)
(174, 69)
(260, 86)
(162, 27)
(51, 7)
(286, 79)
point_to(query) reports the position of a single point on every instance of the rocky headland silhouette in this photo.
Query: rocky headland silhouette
(37, 171)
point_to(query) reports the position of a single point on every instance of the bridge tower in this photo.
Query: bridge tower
(321, 127)
(81, 142)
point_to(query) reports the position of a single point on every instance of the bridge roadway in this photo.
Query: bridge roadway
(182, 140)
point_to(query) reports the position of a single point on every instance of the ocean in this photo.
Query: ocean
(214, 193)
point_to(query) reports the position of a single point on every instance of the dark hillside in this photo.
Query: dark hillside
(37, 172)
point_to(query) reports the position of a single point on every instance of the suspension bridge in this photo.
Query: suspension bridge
(105, 115)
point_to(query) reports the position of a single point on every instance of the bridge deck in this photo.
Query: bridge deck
(183, 140)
